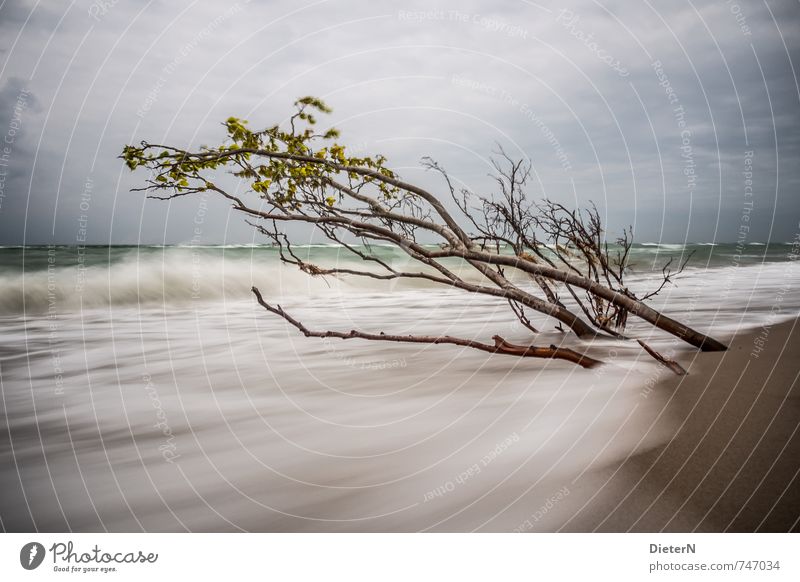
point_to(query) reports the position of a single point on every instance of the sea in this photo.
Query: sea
(144, 389)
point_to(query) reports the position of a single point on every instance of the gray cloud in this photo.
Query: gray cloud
(571, 85)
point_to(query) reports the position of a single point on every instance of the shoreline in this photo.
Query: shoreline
(732, 461)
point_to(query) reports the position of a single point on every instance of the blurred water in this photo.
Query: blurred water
(148, 391)
(86, 277)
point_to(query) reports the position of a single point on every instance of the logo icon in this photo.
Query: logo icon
(31, 555)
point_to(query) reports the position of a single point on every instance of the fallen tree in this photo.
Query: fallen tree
(529, 254)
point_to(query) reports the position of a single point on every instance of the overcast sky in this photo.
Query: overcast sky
(650, 109)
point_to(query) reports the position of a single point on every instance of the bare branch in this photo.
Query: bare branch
(519, 311)
(500, 346)
(671, 364)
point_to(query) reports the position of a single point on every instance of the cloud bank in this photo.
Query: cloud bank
(671, 117)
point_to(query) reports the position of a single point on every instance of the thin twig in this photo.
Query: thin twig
(671, 364)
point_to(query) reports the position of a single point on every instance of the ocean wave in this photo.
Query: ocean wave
(178, 277)
(666, 246)
(43, 280)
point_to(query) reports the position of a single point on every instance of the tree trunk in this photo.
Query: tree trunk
(554, 310)
(650, 315)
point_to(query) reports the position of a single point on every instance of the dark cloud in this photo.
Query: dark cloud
(571, 85)
(15, 11)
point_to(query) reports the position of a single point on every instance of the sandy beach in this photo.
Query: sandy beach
(732, 463)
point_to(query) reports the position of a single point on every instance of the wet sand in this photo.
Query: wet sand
(733, 461)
